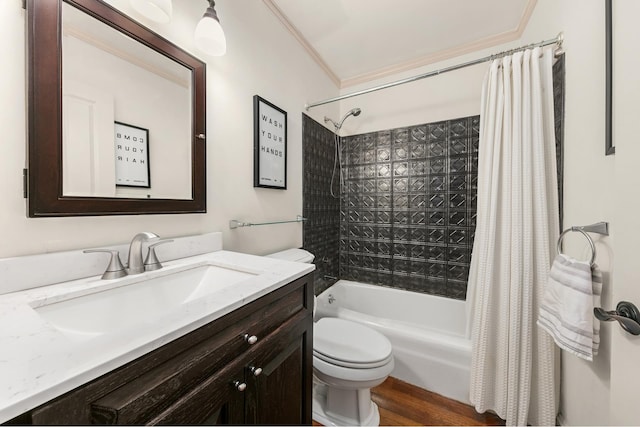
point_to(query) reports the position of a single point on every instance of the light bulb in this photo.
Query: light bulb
(209, 36)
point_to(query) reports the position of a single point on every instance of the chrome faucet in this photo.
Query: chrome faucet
(136, 265)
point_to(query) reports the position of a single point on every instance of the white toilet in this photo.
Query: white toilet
(348, 360)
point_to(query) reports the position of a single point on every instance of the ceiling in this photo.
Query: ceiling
(356, 41)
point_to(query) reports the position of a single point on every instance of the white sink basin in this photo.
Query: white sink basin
(136, 303)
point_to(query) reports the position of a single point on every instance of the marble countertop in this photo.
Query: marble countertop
(38, 362)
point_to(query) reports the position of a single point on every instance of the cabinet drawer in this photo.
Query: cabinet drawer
(217, 397)
(263, 323)
(137, 401)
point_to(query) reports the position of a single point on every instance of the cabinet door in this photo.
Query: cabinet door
(218, 400)
(281, 392)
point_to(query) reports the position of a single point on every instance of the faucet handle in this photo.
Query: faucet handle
(151, 262)
(114, 269)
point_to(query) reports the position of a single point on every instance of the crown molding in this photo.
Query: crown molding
(526, 15)
(474, 46)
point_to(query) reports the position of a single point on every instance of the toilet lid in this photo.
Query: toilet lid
(349, 343)
(296, 255)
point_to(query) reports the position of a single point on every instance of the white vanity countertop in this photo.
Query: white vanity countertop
(39, 363)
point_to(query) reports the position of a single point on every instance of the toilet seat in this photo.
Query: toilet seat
(353, 365)
(330, 373)
(349, 344)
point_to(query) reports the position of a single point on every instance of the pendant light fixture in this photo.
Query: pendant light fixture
(209, 36)
(156, 10)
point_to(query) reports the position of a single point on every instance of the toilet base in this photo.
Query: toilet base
(339, 407)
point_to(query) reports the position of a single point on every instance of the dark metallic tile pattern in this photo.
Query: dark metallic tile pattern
(408, 216)
(321, 231)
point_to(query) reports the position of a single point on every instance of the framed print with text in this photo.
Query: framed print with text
(270, 145)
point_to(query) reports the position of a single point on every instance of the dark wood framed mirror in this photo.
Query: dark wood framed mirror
(59, 184)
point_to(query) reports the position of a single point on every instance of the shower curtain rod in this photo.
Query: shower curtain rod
(557, 40)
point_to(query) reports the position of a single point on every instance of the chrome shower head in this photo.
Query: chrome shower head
(353, 112)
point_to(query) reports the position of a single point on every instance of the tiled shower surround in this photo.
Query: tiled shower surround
(407, 217)
(407, 214)
(321, 230)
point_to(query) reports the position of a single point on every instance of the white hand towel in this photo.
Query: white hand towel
(566, 312)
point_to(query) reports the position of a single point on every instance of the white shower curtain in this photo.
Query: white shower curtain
(514, 367)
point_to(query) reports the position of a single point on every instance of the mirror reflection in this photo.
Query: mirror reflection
(126, 114)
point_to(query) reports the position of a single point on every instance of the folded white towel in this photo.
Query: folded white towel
(566, 312)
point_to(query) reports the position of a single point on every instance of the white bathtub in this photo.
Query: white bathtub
(428, 333)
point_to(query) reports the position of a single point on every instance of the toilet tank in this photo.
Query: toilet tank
(296, 255)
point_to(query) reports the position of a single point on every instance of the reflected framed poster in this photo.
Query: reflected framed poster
(270, 145)
(132, 156)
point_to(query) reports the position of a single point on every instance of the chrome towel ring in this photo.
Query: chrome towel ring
(593, 246)
(598, 228)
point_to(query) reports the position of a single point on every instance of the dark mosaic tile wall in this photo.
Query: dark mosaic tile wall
(408, 216)
(322, 227)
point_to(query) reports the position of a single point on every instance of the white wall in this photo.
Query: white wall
(262, 58)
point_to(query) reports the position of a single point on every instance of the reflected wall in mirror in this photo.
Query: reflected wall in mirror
(109, 77)
(103, 68)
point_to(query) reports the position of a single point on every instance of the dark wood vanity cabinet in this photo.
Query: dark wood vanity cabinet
(216, 374)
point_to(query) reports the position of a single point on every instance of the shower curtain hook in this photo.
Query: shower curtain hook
(558, 51)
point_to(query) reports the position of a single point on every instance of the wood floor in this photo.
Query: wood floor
(403, 404)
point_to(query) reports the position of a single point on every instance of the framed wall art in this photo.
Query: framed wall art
(270, 145)
(132, 156)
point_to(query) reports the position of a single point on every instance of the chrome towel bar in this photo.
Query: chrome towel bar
(234, 223)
